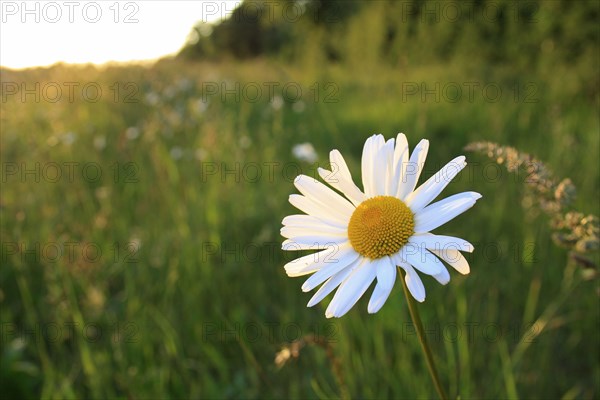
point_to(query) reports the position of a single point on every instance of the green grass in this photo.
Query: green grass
(189, 297)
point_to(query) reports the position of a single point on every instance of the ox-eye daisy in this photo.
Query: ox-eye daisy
(366, 234)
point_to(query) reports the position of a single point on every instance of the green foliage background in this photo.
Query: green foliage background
(189, 297)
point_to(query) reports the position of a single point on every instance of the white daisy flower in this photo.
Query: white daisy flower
(366, 234)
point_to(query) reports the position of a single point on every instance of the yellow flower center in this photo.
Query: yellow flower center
(380, 226)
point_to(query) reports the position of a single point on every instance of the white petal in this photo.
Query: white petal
(291, 232)
(378, 298)
(455, 259)
(309, 263)
(431, 189)
(330, 285)
(305, 221)
(421, 259)
(345, 186)
(315, 195)
(398, 161)
(440, 242)
(383, 167)
(337, 262)
(316, 241)
(412, 170)
(413, 282)
(340, 178)
(368, 164)
(316, 210)
(443, 277)
(390, 167)
(386, 272)
(386, 276)
(338, 165)
(438, 213)
(320, 193)
(352, 289)
(292, 245)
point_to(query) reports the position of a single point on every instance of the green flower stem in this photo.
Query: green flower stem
(414, 314)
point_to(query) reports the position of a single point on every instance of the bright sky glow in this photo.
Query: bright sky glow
(40, 33)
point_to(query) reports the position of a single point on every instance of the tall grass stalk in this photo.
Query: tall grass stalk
(414, 315)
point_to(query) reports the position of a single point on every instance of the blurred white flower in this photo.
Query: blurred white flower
(99, 142)
(245, 142)
(200, 106)
(277, 102)
(134, 245)
(170, 92)
(132, 133)
(185, 84)
(69, 138)
(103, 192)
(305, 152)
(152, 98)
(176, 153)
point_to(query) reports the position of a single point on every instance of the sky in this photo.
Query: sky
(41, 33)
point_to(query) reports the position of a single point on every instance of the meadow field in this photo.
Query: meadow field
(141, 255)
